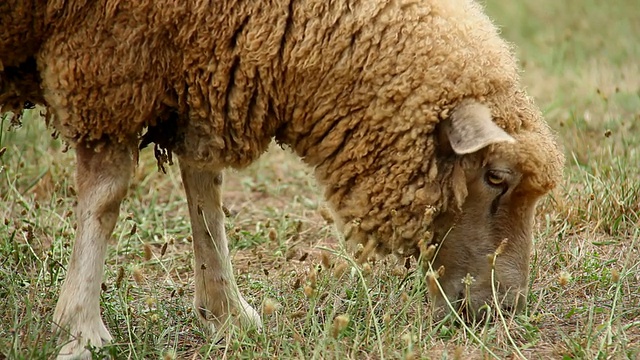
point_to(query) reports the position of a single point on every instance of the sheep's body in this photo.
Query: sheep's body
(358, 89)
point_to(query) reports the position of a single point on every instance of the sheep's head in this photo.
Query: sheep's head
(489, 238)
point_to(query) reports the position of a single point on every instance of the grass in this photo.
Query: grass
(580, 63)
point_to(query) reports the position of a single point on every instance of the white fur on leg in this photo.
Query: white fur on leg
(218, 302)
(102, 180)
(223, 306)
(88, 332)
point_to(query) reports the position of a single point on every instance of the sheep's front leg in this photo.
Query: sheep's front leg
(218, 302)
(102, 178)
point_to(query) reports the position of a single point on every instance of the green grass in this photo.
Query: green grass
(581, 64)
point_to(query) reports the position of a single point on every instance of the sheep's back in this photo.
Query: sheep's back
(240, 73)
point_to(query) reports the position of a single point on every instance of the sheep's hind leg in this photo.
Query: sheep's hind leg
(218, 302)
(102, 178)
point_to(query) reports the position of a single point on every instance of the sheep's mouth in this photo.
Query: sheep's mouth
(471, 314)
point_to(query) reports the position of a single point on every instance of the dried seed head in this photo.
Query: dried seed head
(298, 314)
(428, 237)
(137, 275)
(607, 133)
(386, 318)
(296, 284)
(169, 355)
(427, 253)
(615, 275)
(339, 324)
(226, 211)
(339, 270)
(407, 338)
(502, 246)
(326, 215)
(429, 213)
(134, 229)
(367, 251)
(491, 258)
(273, 234)
(441, 271)
(325, 260)
(119, 277)
(313, 277)
(564, 278)
(398, 271)
(147, 251)
(404, 297)
(347, 231)
(422, 246)
(358, 250)
(269, 306)
(308, 291)
(366, 268)
(432, 283)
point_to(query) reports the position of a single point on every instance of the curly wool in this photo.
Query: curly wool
(356, 88)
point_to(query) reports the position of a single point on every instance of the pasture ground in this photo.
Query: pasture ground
(580, 62)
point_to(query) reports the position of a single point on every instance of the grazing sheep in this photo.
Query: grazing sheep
(410, 112)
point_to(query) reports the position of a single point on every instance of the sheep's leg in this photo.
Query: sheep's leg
(218, 302)
(102, 178)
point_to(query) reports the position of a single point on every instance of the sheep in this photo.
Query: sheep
(410, 112)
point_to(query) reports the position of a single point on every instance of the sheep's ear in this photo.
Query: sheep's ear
(470, 129)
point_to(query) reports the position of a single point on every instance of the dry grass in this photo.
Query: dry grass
(581, 64)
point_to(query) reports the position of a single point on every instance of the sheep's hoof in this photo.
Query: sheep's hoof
(242, 317)
(82, 337)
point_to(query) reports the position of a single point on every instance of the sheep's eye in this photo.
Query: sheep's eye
(495, 179)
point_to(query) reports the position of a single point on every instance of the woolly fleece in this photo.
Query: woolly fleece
(357, 88)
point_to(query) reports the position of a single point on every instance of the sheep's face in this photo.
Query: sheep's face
(497, 217)
(485, 249)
